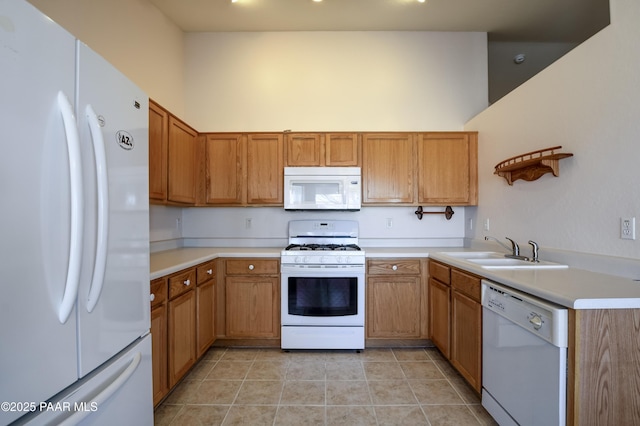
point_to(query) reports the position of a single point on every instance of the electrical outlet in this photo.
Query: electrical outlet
(628, 228)
(247, 223)
(179, 224)
(486, 224)
(389, 222)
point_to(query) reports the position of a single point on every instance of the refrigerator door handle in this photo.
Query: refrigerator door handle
(103, 208)
(106, 393)
(76, 223)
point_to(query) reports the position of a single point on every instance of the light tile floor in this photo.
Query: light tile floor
(272, 387)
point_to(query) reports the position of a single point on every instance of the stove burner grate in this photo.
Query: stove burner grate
(323, 247)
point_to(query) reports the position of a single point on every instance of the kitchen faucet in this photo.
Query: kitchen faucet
(535, 249)
(515, 249)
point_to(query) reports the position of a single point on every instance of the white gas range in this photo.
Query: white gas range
(322, 286)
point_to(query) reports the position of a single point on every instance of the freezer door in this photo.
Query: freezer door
(38, 353)
(113, 117)
(118, 393)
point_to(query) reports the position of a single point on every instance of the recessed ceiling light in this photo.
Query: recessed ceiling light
(421, 1)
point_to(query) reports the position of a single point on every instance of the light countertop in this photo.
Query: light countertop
(570, 287)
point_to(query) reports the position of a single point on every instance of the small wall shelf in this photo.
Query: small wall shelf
(532, 165)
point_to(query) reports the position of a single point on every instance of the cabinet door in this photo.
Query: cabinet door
(252, 305)
(439, 315)
(158, 151)
(183, 166)
(159, 352)
(265, 169)
(303, 149)
(159, 293)
(224, 165)
(466, 338)
(448, 168)
(393, 307)
(205, 316)
(341, 149)
(388, 165)
(182, 335)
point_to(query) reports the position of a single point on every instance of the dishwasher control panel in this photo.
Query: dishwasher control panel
(544, 319)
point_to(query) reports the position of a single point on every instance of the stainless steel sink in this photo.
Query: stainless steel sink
(473, 254)
(508, 263)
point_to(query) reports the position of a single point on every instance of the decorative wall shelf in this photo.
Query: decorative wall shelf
(532, 165)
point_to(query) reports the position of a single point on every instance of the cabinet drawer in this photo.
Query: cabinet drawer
(252, 267)
(206, 271)
(466, 284)
(182, 282)
(158, 292)
(394, 267)
(439, 271)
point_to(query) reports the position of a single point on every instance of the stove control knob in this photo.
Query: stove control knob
(324, 259)
(341, 259)
(298, 259)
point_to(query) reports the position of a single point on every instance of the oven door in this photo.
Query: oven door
(322, 296)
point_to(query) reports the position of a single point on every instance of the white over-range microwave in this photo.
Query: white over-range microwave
(322, 188)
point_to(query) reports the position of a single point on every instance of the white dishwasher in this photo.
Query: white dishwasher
(524, 358)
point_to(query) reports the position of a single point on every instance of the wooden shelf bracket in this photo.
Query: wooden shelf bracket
(532, 165)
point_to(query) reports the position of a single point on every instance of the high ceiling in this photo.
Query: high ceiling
(571, 21)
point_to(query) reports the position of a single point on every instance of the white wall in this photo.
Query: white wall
(269, 226)
(358, 81)
(334, 80)
(134, 36)
(587, 102)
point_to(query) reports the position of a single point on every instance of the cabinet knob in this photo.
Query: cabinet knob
(209, 271)
(251, 267)
(187, 282)
(394, 267)
(152, 297)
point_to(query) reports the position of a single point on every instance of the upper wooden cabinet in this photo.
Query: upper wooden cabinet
(223, 169)
(448, 168)
(321, 149)
(388, 168)
(243, 169)
(420, 169)
(158, 146)
(183, 164)
(265, 169)
(173, 166)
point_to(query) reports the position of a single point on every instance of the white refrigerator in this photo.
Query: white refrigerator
(75, 346)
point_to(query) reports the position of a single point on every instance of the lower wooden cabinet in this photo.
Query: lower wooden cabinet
(439, 315)
(466, 338)
(456, 319)
(252, 293)
(205, 309)
(396, 299)
(182, 324)
(159, 339)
